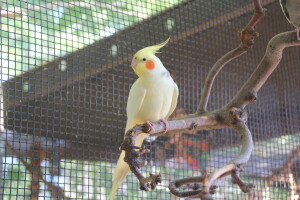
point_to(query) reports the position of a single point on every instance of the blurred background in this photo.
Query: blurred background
(65, 77)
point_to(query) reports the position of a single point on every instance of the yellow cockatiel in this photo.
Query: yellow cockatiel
(152, 97)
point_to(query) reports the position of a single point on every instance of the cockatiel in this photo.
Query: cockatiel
(152, 97)
(291, 10)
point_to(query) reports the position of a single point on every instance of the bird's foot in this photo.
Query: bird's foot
(150, 181)
(166, 123)
(150, 126)
(156, 178)
(298, 33)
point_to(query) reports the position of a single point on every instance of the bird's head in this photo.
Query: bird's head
(144, 62)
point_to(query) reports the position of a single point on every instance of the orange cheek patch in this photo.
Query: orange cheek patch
(150, 65)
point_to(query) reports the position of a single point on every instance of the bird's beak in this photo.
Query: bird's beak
(134, 62)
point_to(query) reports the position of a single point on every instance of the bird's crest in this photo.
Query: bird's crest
(152, 49)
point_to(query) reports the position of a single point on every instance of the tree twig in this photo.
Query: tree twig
(247, 36)
(265, 68)
(232, 168)
(259, 13)
(231, 55)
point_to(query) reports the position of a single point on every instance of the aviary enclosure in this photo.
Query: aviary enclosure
(66, 75)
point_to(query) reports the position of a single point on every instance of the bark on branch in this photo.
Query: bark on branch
(265, 68)
(247, 36)
(233, 169)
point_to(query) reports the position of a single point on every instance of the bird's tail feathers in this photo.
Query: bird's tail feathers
(120, 173)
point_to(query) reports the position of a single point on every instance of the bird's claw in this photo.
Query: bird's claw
(213, 189)
(133, 157)
(149, 126)
(126, 144)
(142, 150)
(144, 186)
(150, 181)
(138, 129)
(246, 188)
(156, 178)
(166, 123)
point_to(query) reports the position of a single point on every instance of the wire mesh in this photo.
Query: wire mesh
(65, 74)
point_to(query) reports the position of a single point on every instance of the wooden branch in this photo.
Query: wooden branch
(259, 13)
(232, 168)
(189, 183)
(246, 95)
(271, 59)
(206, 121)
(214, 120)
(247, 36)
(231, 55)
(241, 159)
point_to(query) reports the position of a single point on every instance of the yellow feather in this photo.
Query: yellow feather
(151, 49)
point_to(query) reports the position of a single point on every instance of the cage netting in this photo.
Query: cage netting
(65, 79)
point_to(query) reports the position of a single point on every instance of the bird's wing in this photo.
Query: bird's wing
(284, 9)
(174, 101)
(135, 101)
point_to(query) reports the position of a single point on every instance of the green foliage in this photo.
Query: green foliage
(16, 181)
(92, 180)
(49, 30)
(278, 193)
(86, 180)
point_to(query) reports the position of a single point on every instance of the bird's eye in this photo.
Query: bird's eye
(144, 59)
